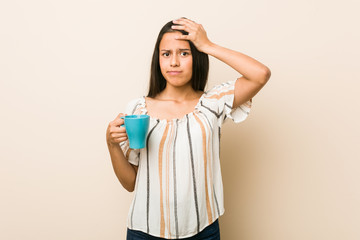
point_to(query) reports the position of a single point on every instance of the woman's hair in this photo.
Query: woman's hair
(200, 68)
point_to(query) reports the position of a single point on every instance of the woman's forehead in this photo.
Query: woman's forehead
(169, 42)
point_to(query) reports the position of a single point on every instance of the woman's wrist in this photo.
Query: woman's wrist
(112, 145)
(208, 48)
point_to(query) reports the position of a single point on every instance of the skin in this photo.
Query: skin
(254, 74)
(178, 98)
(175, 61)
(124, 171)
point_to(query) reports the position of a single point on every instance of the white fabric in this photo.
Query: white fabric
(179, 188)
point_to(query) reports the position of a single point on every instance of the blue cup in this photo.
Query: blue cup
(137, 127)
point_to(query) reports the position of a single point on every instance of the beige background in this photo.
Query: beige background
(67, 68)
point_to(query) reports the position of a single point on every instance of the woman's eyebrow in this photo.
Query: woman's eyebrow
(181, 49)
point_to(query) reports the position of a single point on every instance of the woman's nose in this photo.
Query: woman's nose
(174, 61)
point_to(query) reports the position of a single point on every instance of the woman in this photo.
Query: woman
(177, 178)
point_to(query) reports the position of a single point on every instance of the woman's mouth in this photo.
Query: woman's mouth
(173, 72)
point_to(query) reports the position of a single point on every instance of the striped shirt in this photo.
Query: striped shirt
(179, 190)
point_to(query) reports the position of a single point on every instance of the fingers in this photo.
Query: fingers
(118, 121)
(195, 31)
(184, 21)
(190, 35)
(119, 116)
(186, 28)
(117, 129)
(119, 140)
(183, 37)
(117, 134)
(185, 24)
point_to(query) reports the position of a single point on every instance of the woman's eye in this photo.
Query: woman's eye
(166, 54)
(184, 53)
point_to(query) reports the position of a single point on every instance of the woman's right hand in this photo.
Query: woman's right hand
(116, 134)
(196, 33)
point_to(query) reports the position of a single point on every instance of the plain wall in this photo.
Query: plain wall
(67, 68)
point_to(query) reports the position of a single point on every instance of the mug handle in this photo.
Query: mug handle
(124, 122)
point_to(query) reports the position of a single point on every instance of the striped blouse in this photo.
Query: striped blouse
(179, 190)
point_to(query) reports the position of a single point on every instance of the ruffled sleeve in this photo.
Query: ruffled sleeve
(133, 155)
(220, 100)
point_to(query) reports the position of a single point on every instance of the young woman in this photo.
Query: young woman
(177, 178)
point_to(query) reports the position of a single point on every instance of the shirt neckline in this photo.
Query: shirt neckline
(174, 119)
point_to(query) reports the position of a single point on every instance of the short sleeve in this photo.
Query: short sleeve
(221, 98)
(133, 155)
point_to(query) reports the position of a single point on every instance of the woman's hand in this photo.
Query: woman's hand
(197, 34)
(116, 134)
(254, 74)
(125, 171)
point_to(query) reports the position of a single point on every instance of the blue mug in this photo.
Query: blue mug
(137, 127)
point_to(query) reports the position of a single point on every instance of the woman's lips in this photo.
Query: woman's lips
(174, 72)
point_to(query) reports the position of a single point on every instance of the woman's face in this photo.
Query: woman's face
(175, 60)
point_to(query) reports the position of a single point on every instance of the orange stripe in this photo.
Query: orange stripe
(218, 96)
(167, 179)
(128, 153)
(161, 149)
(208, 207)
(210, 170)
(247, 104)
(126, 149)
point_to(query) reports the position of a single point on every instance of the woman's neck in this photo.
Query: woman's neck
(183, 93)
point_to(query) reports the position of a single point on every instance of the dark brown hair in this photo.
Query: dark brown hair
(200, 68)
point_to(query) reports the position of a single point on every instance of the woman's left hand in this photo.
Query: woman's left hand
(197, 34)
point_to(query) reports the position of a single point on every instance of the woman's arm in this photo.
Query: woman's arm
(125, 171)
(254, 74)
